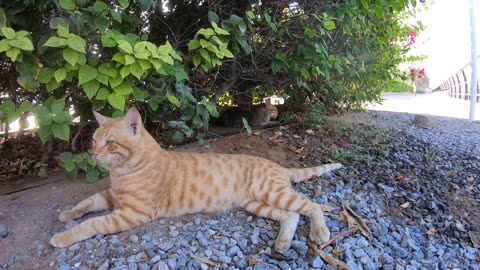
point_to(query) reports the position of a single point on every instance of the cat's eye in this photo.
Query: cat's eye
(109, 142)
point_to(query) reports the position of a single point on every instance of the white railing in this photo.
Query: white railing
(459, 84)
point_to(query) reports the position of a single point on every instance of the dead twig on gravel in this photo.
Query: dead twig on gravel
(205, 260)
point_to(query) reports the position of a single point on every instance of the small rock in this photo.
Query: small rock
(133, 238)
(143, 266)
(147, 237)
(155, 259)
(64, 267)
(74, 247)
(166, 246)
(161, 266)
(318, 262)
(3, 231)
(104, 266)
(173, 234)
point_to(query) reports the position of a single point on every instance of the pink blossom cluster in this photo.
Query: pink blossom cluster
(413, 35)
(417, 73)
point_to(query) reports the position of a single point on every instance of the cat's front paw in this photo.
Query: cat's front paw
(61, 240)
(67, 215)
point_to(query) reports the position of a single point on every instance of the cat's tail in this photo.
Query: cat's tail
(297, 175)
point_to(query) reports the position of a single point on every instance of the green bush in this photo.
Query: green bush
(175, 59)
(398, 86)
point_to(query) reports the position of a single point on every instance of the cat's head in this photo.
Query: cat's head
(115, 139)
(271, 109)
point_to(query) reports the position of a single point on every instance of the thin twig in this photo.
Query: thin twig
(335, 237)
(205, 260)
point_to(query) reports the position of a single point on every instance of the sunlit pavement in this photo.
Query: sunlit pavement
(437, 103)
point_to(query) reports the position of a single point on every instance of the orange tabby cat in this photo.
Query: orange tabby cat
(148, 182)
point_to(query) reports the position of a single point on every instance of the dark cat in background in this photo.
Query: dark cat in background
(259, 115)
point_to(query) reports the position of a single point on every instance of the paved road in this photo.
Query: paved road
(438, 103)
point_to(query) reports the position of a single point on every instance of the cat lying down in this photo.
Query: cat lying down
(148, 182)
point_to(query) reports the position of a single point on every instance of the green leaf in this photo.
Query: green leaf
(329, 24)
(193, 44)
(116, 16)
(123, 3)
(58, 105)
(55, 22)
(124, 71)
(86, 74)
(197, 59)
(8, 107)
(45, 132)
(180, 74)
(13, 54)
(66, 157)
(116, 81)
(92, 175)
(102, 78)
(102, 23)
(45, 75)
(61, 131)
(129, 59)
(364, 4)
(3, 18)
(4, 45)
(250, 15)
(77, 43)
(102, 94)
(213, 17)
(43, 115)
(119, 57)
(55, 42)
(123, 89)
(136, 70)
(125, 46)
(138, 94)
(247, 126)
(28, 70)
(91, 161)
(63, 32)
(25, 106)
(67, 4)
(22, 43)
(62, 117)
(173, 99)
(177, 136)
(108, 42)
(8, 32)
(90, 88)
(100, 6)
(146, 65)
(70, 56)
(117, 101)
(72, 175)
(60, 74)
(110, 72)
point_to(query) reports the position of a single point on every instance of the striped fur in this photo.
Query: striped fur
(148, 182)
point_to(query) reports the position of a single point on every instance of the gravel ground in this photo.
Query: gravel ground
(417, 185)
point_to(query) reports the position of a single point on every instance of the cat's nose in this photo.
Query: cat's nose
(94, 155)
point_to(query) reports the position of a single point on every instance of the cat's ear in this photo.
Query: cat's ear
(133, 120)
(100, 118)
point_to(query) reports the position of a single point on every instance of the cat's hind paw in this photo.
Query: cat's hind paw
(319, 233)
